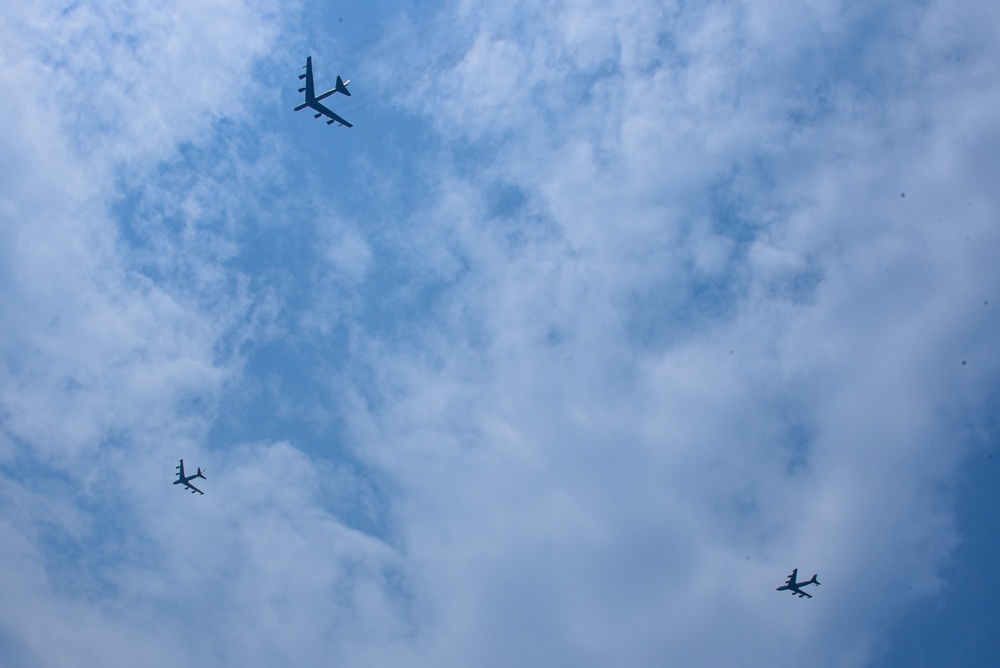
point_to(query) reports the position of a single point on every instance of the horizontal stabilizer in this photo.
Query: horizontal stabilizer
(341, 87)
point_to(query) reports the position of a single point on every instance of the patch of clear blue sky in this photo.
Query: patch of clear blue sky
(369, 179)
(81, 556)
(958, 627)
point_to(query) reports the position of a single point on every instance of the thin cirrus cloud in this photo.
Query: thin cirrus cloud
(680, 303)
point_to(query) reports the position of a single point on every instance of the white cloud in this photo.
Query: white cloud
(117, 351)
(742, 341)
(678, 333)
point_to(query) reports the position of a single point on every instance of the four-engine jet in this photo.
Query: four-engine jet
(186, 480)
(312, 99)
(796, 587)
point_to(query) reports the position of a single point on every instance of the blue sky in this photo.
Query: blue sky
(601, 319)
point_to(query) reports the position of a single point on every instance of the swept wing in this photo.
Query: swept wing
(323, 111)
(193, 488)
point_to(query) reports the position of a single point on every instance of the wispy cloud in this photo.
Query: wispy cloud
(125, 210)
(744, 330)
(611, 316)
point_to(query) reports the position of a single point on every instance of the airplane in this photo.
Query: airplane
(312, 99)
(186, 480)
(795, 587)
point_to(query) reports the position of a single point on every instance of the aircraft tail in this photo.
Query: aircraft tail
(342, 86)
(201, 474)
(813, 580)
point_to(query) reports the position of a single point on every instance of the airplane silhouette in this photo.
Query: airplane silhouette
(312, 99)
(796, 587)
(186, 480)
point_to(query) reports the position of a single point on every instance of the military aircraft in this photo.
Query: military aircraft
(186, 479)
(312, 99)
(796, 587)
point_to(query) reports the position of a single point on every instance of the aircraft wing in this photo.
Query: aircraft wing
(326, 112)
(180, 470)
(802, 593)
(791, 578)
(309, 90)
(195, 489)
